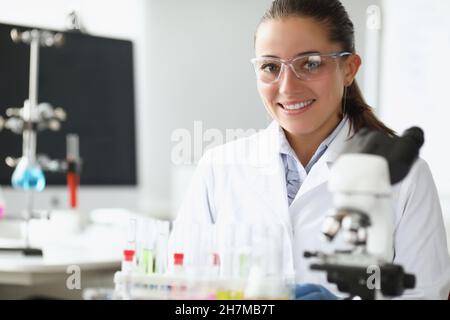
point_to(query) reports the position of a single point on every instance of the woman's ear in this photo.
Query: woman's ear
(352, 65)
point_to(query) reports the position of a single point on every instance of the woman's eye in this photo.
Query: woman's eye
(312, 65)
(270, 67)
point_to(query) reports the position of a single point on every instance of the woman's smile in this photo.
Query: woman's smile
(296, 108)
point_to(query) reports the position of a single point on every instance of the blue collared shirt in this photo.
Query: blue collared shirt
(294, 170)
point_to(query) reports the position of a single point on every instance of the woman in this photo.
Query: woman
(306, 66)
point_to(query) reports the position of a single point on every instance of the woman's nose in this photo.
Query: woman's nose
(288, 81)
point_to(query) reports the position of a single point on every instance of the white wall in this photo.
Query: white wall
(415, 70)
(414, 74)
(357, 11)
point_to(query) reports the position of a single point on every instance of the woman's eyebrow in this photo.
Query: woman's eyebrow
(269, 56)
(307, 52)
(297, 55)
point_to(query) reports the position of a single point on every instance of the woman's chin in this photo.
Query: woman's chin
(297, 127)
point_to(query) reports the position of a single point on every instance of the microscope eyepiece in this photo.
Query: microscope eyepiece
(416, 134)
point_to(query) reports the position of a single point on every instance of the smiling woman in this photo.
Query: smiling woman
(306, 65)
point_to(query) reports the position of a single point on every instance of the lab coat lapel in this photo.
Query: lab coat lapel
(320, 172)
(317, 176)
(266, 174)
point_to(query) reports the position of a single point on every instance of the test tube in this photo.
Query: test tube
(177, 290)
(73, 164)
(147, 251)
(129, 253)
(274, 250)
(258, 243)
(226, 244)
(178, 263)
(194, 248)
(243, 251)
(162, 229)
(212, 252)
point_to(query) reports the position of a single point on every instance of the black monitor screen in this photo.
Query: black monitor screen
(91, 78)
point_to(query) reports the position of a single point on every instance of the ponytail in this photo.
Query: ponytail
(360, 114)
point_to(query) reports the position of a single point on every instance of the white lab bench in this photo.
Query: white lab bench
(26, 277)
(93, 254)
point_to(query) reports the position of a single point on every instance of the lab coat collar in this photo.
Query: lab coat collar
(270, 171)
(267, 176)
(339, 142)
(264, 150)
(269, 145)
(320, 172)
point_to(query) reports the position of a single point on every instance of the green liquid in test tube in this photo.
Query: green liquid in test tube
(244, 265)
(148, 261)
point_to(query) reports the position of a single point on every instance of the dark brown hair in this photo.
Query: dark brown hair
(332, 14)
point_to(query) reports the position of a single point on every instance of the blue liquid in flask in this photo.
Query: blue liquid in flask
(28, 177)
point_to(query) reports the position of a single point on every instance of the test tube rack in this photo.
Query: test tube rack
(137, 286)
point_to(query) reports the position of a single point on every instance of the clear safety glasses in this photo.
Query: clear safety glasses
(306, 67)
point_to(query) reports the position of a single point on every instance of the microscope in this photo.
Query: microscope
(28, 121)
(360, 181)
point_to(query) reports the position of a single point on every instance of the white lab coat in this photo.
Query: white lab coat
(244, 182)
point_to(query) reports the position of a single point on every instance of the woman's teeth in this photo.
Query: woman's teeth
(297, 106)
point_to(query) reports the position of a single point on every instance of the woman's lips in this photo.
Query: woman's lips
(295, 111)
